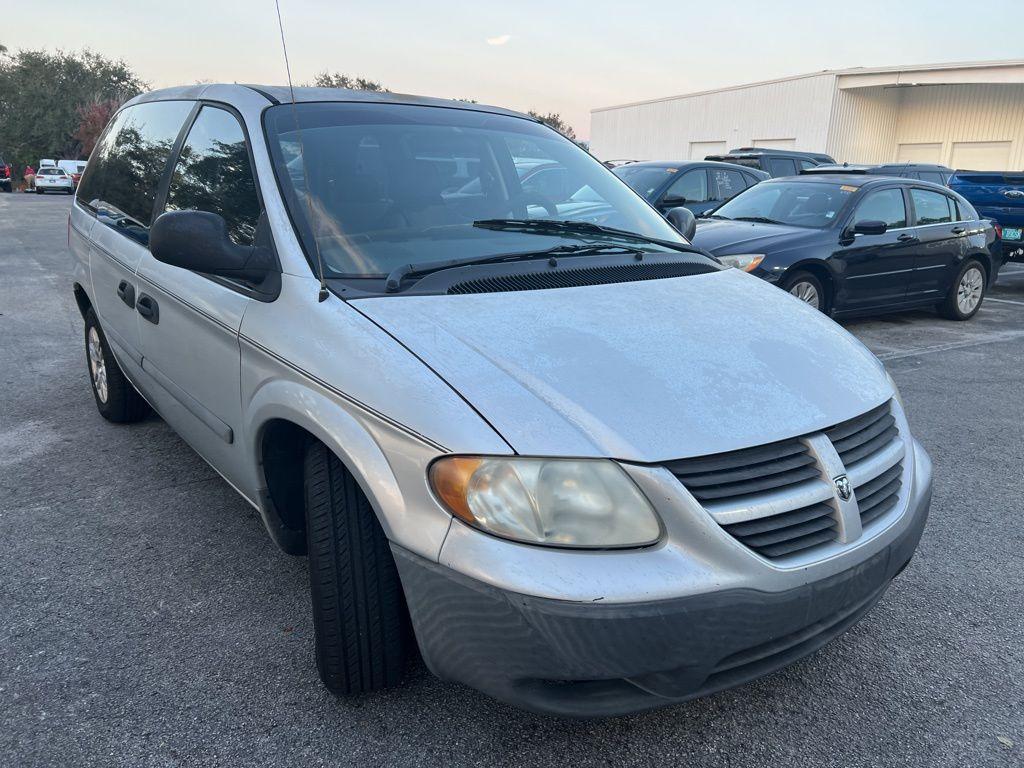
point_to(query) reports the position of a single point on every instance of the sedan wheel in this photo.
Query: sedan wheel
(969, 291)
(807, 292)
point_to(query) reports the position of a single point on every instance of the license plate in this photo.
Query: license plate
(1011, 233)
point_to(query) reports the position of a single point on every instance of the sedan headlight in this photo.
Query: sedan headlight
(554, 502)
(746, 261)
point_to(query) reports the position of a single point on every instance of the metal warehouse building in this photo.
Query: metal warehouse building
(964, 115)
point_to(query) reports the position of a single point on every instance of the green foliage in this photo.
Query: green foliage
(555, 121)
(327, 79)
(44, 96)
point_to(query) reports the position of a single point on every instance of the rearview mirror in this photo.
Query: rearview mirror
(199, 241)
(683, 220)
(870, 227)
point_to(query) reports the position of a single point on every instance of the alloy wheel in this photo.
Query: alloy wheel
(807, 293)
(968, 293)
(97, 366)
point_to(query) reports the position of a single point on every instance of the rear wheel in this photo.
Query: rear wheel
(967, 294)
(807, 288)
(359, 614)
(115, 396)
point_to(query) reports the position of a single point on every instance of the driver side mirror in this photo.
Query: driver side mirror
(683, 220)
(869, 227)
(199, 241)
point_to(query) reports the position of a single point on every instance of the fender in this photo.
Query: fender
(397, 490)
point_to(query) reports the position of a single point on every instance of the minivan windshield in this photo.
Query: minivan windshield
(795, 203)
(373, 187)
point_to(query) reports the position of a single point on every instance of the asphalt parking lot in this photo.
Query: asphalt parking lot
(147, 620)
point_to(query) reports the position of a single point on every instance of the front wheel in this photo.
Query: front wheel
(359, 614)
(967, 294)
(807, 288)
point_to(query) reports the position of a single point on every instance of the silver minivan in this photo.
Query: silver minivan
(522, 425)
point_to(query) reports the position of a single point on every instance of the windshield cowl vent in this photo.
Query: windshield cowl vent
(571, 278)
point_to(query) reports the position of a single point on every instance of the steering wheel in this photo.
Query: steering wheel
(524, 199)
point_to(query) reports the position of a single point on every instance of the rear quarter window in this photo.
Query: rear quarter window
(121, 181)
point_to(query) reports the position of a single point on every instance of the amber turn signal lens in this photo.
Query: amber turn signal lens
(450, 478)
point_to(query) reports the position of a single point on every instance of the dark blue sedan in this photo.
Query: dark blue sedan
(857, 244)
(696, 185)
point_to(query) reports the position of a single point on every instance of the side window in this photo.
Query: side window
(805, 164)
(781, 166)
(728, 184)
(933, 176)
(549, 182)
(885, 205)
(213, 174)
(930, 207)
(692, 186)
(121, 182)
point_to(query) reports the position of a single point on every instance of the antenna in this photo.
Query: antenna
(322, 296)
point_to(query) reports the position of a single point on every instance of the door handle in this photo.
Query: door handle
(905, 238)
(958, 230)
(148, 308)
(126, 292)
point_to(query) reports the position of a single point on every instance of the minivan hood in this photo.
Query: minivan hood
(644, 371)
(722, 238)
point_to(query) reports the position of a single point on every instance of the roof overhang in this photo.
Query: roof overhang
(933, 74)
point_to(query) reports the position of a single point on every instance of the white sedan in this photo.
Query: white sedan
(54, 180)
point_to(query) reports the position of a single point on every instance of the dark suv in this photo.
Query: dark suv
(937, 174)
(774, 162)
(6, 182)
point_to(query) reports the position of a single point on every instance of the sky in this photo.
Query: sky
(566, 57)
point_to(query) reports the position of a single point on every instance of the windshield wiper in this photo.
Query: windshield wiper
(395, 277)
(565, 227)
(757, 219)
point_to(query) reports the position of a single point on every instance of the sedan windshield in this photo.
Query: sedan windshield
(645, 179)
(376, 187)
(796, 203)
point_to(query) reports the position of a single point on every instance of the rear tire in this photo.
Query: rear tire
(115, 396)
(359, 614)
(967, 294)
(807, 288)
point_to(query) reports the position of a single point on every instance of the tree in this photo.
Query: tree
(44, 98)
(554, 120)
(327, 79)
(93, 118)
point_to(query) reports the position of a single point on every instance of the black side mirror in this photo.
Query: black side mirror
(672, 201)
(683, 220)
(199, 241)
(869, 227)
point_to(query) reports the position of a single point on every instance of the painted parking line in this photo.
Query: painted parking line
(992, 339)
(1005, 301)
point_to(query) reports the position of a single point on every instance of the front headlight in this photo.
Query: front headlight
(745, 261)
(554, 502)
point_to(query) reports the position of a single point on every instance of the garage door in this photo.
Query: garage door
(701, 149)
(919, 153)
(775, 143)
(981, 155)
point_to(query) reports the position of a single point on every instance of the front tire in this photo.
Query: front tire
(359, 614)
(116, 398)
(807, 288)
(966, 295)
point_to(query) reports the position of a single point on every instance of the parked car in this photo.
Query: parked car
(53, 179)
(6, 176)
(937, 174)
(774, 162)
(73, 168)
(858, 244)
(47, 164)
(696, 185)
(998, 196)
(537, 444)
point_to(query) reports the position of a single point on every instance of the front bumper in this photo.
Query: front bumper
(592, 659)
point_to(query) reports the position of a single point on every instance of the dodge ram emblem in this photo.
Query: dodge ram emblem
(843, 487)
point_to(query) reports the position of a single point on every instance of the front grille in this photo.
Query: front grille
(776, 500)
(740, 473)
